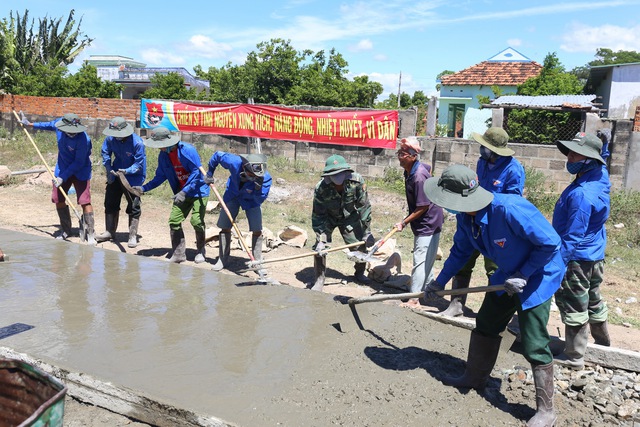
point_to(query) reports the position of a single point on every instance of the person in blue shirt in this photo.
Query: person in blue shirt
(579, 218)
(247, 187)
(122, 150)
(179, 164)
(425, 218)
(513, 233)
(72, 168)
(498, 172)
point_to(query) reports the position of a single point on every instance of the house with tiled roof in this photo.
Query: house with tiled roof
(459, 108)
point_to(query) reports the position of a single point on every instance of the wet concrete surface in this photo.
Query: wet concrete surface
(249, 354)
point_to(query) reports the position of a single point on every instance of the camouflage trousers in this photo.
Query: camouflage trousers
(578, 298)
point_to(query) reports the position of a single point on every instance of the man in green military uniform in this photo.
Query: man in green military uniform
(340, 200)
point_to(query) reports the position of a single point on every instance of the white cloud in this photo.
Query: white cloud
(205, 47)
(155, 57)
(514, 42)
(380, 57)
(364, 44)
(583, 38)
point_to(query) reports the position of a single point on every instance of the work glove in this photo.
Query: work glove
(138, 188)
(111, 176)
(431, 289)
(57, 181)
(209, 180)
(179, 198)
(515, 284)
(24, 120)
(124, 171)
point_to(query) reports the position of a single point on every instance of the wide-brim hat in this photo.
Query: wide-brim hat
(119, 128)
(161, 137)
(70, 123)
(587, 144)
(255, 163)
(335, 164)
(457, 189)
(495, 139)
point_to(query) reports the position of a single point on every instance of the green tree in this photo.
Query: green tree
(439, 76)
(169, 86)
(41, 81)
(607, 57)
(539, 126)
(86, 84)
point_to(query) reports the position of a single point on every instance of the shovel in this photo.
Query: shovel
(256, 265)
(369, 256)
(66, 197)
(374, 298)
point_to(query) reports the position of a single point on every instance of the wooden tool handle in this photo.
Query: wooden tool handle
(287, 258)
(387, 297)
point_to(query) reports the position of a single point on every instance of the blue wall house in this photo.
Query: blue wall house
(458, 104)
(618, 85)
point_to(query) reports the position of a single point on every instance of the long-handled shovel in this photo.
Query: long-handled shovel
(385, 297)
(53, 177)
(369, 256)
(234, 225)
(256, 265)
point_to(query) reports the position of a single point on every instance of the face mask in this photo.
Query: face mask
(485, 153)
(451, 211)
(338, 178)
(575, 167)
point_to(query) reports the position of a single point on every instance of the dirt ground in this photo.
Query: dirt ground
(26, 208)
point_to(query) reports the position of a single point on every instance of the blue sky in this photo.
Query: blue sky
(380, 39)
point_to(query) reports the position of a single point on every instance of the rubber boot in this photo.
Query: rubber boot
(65, 223)
(359, 275)
(224, 249)
(320, 269)
(457, 301)
(133, 232)
(200, 239)
(256, 250)
(545, 415)
(600, 333)
(179, 246)
(111, 225)
(576, 339)
(90, 228)
(482, 356)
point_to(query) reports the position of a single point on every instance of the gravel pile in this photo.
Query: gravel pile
(594, 396)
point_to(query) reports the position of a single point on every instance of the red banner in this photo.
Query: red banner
(365, 128)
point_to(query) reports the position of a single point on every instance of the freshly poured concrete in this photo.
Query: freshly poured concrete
(249, 354)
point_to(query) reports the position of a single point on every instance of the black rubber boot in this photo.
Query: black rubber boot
(360, 275)
(545, 414)
(320, 269)
(457, 301)
(575, 346)
(600, 333)
(90, 228)
(179, 246)
(65, 223)
(224, 249)
(133, 232)
(110, 225)
(482, 356)
(200, 247)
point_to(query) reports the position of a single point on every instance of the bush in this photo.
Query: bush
(537, 191)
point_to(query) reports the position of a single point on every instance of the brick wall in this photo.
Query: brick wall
(440, 152)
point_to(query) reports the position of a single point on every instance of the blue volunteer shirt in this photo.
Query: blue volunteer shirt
(580, 214)
(128, 154)
(250, 194)
(505, 176)
(74, 154)
(190, 160)
(518, 238)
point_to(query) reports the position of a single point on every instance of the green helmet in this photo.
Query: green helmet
(335, 164)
